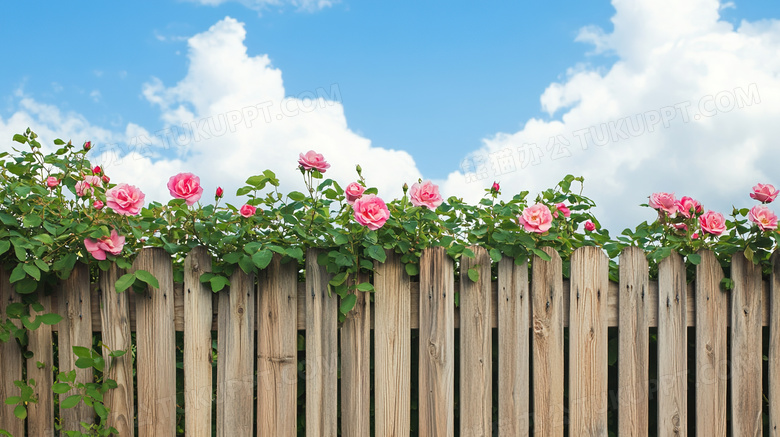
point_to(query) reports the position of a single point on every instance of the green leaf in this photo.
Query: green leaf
(541, 254)
(66, 263)
(117, 354)
(147, 277)
(20, 139)
(32, 220)
(82, 352)
(339, 279)
(60, 388)
(377, 253)
(246, 264)
(20, 412)
(33, 271)
(749, 254)
(727, 284)
(84, 363)
(4, 246)
(412, 269)
(295, 252)
(124, 282)
(347, 303)
(365, 286)
(17, 274)
(218, 283)
(262, 258)
(13, 400)
(100, 409)
(296, 196)
(243, 191)
(495, 255)
(694, 258)
(473, 274)
(49, 318)
(70, 401)
(58, 142)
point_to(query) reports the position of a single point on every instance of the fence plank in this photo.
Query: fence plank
(156, 347)
(711, 354)
(235, 357)
(476, 365)
(321, 351)
(75, 330)
(115, 319)
(197, 356)
(547, 315)
(40, 415)
(355, 369)
(672, 348)
(773, 367)
(277, 349)
(588, 342)
(10, 362)
(393, 344)
(437, 344)
(513, 349)
(746, 355)
(633, 344)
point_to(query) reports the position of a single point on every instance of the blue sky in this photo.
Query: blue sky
(436, 80)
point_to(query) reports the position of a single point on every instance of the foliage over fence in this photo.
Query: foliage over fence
(58, 211)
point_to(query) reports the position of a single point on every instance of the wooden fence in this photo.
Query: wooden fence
(258, 379)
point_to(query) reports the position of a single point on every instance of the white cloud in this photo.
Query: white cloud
(259, 5)
(227, 119)
(672, 58)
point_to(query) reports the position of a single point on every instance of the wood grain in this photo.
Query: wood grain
(156, 347)
(672, 348)
(75, 330)
(476, 364)
(547, 312)
(746, 355)
(10, 362)
(588, 342)
(197, 353)
(235, 357)
(711, 354)
(437, 344)
(773, 367)
(356, 368)
(392, 346)
(115, 317)
(322, 354)
(40, 415)
(513, 348)
(633, 344)
(277, 367)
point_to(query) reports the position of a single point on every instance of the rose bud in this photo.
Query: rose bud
(97, 204)
(97, 170)
(52, 182)
(220, 193)
(88, 145)
(106, 179)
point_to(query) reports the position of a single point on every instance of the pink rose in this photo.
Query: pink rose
(313, 160)
(97, 204)
(52, 182)
(664, 202)
(695, 236)
(563, 209)
(496, 188)
(353, 192)
(86, 187)
(712, 222)
(764, 193)
(247, 210)
(112, 245)
(763, 217)
(589, 226)
(185, 186)
(425, 194)
(125, 199)
(371, 211)
(220, 192)
(688, 207)
(680, 226)
(536, 218)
